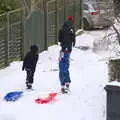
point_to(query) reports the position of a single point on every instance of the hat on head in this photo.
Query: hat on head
(69, 17)
(34, 48)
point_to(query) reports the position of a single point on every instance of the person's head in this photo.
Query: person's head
(70, 18)
(66, 24)
(34, 49)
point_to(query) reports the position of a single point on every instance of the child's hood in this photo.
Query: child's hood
(34, 49)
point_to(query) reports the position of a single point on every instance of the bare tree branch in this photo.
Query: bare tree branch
(30, 5)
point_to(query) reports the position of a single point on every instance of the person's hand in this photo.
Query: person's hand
(22, 68)
(58, 43)
(73, 44)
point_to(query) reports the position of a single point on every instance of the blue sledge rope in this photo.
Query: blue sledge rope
(13, 96)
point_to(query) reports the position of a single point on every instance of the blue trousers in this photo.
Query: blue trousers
(64, 69)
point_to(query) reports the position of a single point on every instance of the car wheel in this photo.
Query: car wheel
(86, 25)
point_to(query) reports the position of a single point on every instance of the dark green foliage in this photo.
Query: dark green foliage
(114, 70)
(8, 5)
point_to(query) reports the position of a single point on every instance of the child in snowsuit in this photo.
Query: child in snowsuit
(67, 40)
(29, 64)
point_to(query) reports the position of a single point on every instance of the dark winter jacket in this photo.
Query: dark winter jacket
(67, 37)
(31, 59)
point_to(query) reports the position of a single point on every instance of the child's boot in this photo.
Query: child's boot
(63, 91)
(67, 86)
(29, 86)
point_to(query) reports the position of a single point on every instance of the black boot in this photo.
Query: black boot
(29, 86)
(63, 91)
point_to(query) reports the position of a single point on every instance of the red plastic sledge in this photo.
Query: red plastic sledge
(51, 97)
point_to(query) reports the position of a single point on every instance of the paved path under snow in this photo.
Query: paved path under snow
(87, 100)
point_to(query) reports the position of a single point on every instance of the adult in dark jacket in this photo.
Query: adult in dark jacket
(67, 35)
(29, 64)
(67, 41)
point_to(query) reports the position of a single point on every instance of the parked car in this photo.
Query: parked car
(95, 16)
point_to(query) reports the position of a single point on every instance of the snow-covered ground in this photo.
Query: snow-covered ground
(87, 100)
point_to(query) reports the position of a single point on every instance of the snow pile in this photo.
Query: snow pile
(114, 83)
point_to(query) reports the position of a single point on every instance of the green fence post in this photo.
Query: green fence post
(6, 38)
(64, 10)
(45, 24)
(81, 14)
(22, 36)
(74, 12)
(22, 40)
(57, 23)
